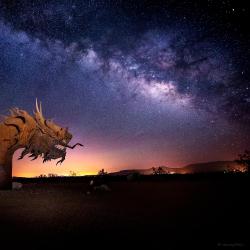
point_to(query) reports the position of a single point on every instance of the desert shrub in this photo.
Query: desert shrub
(244, 159)
(159, 171)
(42, 176)
(102, 172)
(52, 175)
(72, 173)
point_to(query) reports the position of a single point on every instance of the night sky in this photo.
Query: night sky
(139, 83)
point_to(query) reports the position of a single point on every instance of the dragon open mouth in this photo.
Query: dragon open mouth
(60, 147)
(58, 151)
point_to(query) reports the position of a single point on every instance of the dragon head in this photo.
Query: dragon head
(48, 139)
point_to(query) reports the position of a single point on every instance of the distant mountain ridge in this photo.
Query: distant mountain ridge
(204, 167)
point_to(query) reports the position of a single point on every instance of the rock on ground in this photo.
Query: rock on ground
(102, 187)
(17, 185)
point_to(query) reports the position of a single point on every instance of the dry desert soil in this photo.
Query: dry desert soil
(204, 212)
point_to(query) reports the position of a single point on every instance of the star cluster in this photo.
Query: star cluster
(141, 82)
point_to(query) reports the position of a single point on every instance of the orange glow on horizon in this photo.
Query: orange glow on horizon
(84, 162)
(81, 164)
(88, 161)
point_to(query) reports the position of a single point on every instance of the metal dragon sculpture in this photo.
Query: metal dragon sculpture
(37, 135)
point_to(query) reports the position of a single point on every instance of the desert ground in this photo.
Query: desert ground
(204, 212)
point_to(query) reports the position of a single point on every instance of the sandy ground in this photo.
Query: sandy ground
(192, 213)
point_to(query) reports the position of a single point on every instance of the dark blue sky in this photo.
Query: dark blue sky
(144, 83)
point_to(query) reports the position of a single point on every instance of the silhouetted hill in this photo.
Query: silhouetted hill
(207, 167)
(217, 166)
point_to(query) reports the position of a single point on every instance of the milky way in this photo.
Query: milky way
(146, 83)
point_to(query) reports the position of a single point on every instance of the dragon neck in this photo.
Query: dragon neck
(6, 156)
(15, 132)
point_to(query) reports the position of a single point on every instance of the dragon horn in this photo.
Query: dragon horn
(37, 108)
(41, 108)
